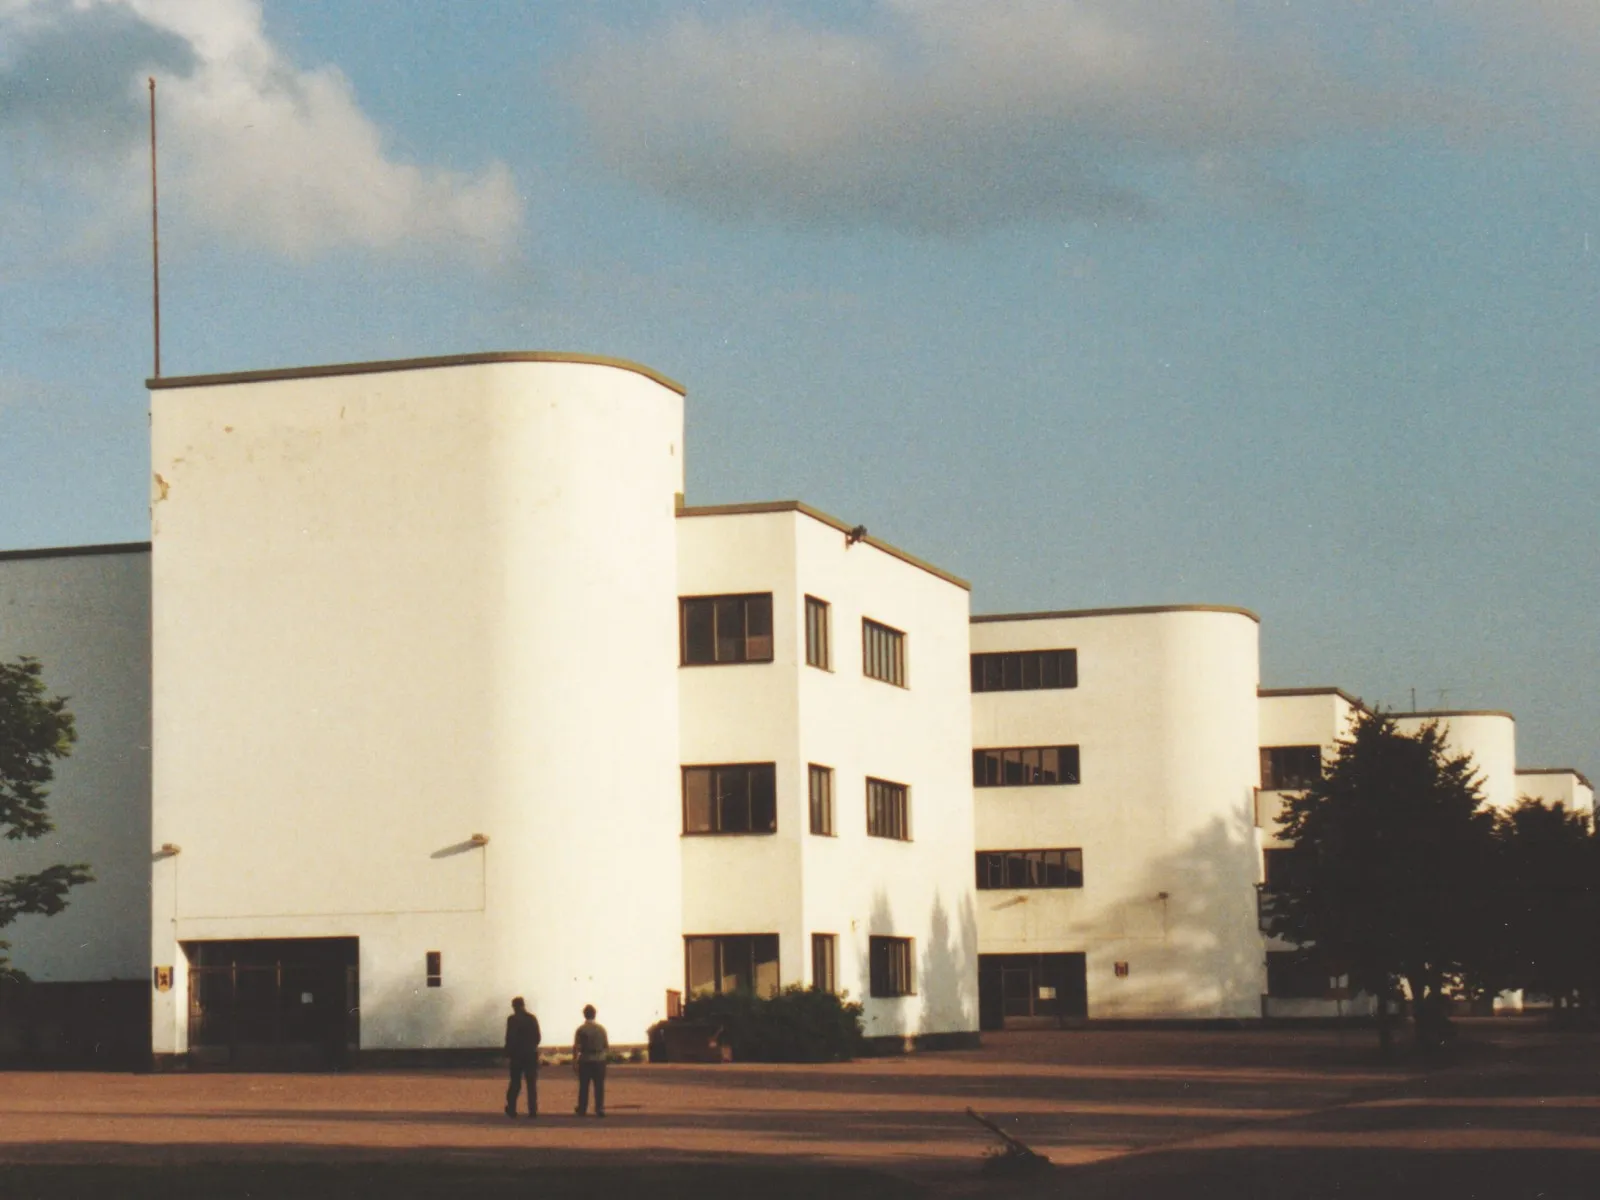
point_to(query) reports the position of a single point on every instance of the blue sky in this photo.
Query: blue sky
(1290, 306)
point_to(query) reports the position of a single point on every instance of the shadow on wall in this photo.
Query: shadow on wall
(948, 973)
(408, 1015)
(1190, 933)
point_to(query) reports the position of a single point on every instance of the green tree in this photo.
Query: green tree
(1394, 863)
(1549, 901)
(36, 731)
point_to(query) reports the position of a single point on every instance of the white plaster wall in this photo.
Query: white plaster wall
(1313, 719)
(850, 885)
(1550, 788)
(86, 618)
(1489, 737)
(394, 610)
(1166, 717)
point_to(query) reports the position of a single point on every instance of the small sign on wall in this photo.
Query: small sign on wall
(163, 979)
(1122, 970)
(1047, 993)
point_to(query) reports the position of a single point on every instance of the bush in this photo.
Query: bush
(797, 1025)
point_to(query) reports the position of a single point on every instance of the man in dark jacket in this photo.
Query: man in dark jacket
(522, 1049)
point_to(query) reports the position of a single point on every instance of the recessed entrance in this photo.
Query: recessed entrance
(1019, 991)
(278, 1004)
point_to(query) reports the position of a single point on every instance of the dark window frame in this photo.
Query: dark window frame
(892, 967)
(719, 823)
(748, 947)
(825, 962)
(819, 799)
(883, 653)
(1057, 868)
(693, 610)
(888, 809)
(992, 766)
(1025, 670)
(1290, 768)
(819, 634)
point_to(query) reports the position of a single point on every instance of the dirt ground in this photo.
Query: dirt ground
(1141, 1114)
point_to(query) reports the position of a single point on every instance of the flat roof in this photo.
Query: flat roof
(1138, 610)
(1432, 713)
(414, 364)
(1573, 771)
(816, 514)
(1269, 693)
(76, 551)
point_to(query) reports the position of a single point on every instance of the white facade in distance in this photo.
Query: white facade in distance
(1165, 717)
(795, 883)
(1557, 785)
(396, 606)
(1298, 717)
(1490, 737)
(84, 613)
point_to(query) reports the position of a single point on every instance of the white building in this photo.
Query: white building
(1557, 785)
(429, 691)
(1115, 766)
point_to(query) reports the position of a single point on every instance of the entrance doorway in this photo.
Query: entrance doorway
(280, 1004)
(1021, 991)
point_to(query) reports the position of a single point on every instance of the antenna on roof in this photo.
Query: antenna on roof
(155, 233)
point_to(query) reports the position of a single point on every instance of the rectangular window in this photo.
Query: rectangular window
(731, 798)
(1002, 869)
(1024, 670)
(818, 653)
(743, 962)
(883, 653)
(824, 953)
(891, 966)
(821, 787)
(433, 961)
(1287, 768)
(1025, 766)
(725, 629)
(1293, 975)
(888, 810)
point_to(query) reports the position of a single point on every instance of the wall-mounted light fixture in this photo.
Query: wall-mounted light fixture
(478, 839)
(171, 849)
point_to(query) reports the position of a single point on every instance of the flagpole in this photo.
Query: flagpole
(155, 232)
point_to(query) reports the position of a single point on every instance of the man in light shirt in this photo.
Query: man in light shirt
(589, 1047)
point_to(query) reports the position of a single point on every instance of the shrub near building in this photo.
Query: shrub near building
(798, 1024)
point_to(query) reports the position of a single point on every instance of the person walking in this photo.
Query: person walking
(589, 1047)
(522, 1052)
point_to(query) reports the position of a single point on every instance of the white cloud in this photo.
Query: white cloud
(253, 147)
(950, 114)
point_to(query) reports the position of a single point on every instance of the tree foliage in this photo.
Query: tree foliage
(798, 1024)
(1395, 858)
(1550, 902)
(36, 732)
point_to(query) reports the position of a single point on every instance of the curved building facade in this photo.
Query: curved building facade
(415, 701)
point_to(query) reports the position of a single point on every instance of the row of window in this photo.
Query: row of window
(1025, 766)
(748, 963)
(742, 798)
(1005, 869)
(714, 630)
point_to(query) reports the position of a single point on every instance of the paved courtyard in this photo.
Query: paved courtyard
(1168, 1113)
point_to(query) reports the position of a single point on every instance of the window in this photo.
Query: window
(1024, 670)
(1283, 869)
(736, 798)
(432, 961)
(1028, 766)
(1292, 975)
(744, 962)
(888, 810)
(725, 629)
(883, 653)
(824, 953)
(891, 966)
(818, 652)
(821, 787)
(999, 869)
(1290, 767)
